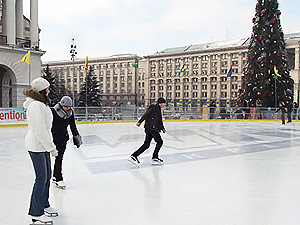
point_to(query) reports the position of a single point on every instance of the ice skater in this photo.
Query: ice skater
(63, 116)
(39, 144)
(153, 126)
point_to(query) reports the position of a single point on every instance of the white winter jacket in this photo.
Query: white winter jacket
(39, 118)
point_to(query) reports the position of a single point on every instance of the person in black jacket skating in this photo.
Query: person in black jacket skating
(63, 116)
(153, 125)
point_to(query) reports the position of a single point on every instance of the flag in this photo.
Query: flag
(229, 72)
(85, 68)
(26, 58)
(182, 69)
(136, 63)
(276, 75)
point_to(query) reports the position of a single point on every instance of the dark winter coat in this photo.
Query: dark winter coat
(61, 120)
(289, 107)
(153, 118)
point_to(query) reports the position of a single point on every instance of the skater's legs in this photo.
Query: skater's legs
(38, 196)
(159, 143)
(57, 171)
(145, 145)
(48, 167)
(283, 117)
(289, 116)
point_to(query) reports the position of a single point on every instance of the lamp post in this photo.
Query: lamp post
(73, 56)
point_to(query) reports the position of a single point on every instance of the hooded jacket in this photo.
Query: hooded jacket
(153, 118)
(39, 118)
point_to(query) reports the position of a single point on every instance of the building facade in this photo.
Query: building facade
(204, 80)
(116, 76)
(18, 35)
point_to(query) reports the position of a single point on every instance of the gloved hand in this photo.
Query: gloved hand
(164, 131)
(77, 140)
(54, 153)
(138, 124)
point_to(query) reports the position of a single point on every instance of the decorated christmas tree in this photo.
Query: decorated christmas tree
(266, 81)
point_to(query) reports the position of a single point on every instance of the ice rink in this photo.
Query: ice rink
(215, 173)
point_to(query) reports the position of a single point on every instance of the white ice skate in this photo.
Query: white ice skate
(134, 160)
(157, 161)
(41, 220)
(50, 212)
(60, 184)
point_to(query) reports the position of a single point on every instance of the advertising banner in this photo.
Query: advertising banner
(12, 115)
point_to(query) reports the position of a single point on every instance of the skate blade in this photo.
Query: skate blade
(133, 162)
(60, 187)
(51, 214)
(37, 222)
(156, 164)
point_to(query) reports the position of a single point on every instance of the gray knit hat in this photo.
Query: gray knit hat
(66, 101)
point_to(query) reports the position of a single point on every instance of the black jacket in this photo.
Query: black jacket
(59, 125)
(153, 118)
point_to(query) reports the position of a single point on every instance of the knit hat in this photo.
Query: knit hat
(39, 84)
(161, 100)
(66, 101)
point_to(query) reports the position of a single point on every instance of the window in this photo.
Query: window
(195, 95)
(204, 94)
(223, 94)
(204, 58)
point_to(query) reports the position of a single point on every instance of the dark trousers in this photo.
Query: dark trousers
(57, 171)
(283, 117)
(149, 135)
(40, 192)
(289, 116)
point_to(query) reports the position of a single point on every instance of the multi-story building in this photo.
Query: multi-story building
(116, 76)
(18, 35)
(204, 80)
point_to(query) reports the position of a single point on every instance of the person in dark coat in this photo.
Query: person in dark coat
(63, 116)
(153, 126)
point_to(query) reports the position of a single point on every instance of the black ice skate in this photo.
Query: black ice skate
(133, 160)
(41, 220)
(157, 161)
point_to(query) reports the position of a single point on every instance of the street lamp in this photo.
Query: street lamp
(73, 56)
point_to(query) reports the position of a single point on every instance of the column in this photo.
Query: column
(19, 19)
(9, 21)
(297, 58)
(34, 33)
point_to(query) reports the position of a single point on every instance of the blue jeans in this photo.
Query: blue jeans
(40, 192)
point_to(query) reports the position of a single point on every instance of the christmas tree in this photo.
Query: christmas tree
(53, 88)
(266, 81)
(90, 95)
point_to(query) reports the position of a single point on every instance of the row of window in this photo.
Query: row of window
(193, 95)
(194, 87)
(196, 58)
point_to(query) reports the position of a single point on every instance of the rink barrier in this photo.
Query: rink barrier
(131, 114)
(134, 121)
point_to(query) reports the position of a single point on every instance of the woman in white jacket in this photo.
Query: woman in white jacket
(39, 144)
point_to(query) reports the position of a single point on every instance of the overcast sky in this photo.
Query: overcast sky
(108, 27)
